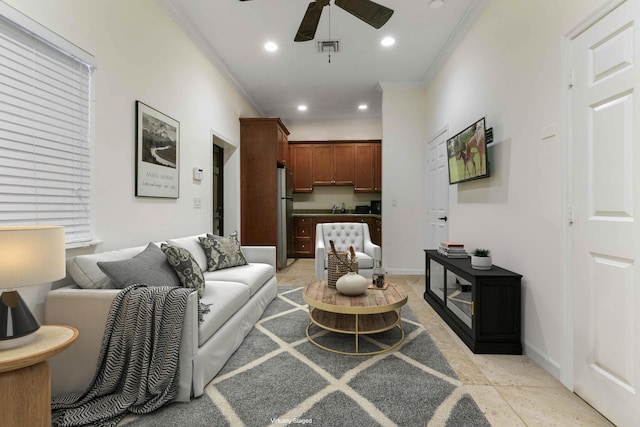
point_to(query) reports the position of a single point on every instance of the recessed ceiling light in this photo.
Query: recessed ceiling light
(388, 41)
(270, 46)
(302, 108)
(434, 4)
(362, 107)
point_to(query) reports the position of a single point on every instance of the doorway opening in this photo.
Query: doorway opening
(217, 188)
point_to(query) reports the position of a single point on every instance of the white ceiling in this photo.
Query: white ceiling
(233, 33)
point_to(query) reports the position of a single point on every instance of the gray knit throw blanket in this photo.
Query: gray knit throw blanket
(138, 369)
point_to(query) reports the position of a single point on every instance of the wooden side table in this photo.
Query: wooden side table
(25, 380)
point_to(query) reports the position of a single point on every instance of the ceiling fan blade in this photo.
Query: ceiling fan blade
(368, 11)
(309, 24)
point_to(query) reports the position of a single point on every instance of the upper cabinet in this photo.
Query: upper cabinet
(377, 168)
(283, 145)
(343, 166)
(301, 156)
(356, 163)
(365, 168)
(333, 164)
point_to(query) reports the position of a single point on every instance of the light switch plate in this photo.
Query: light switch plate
(197, 174)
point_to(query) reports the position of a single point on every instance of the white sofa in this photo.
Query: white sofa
(345, 234)
(239, 296)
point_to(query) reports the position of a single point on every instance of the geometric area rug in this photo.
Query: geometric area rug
(277, 377)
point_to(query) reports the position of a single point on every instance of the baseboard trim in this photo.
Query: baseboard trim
(549, 365)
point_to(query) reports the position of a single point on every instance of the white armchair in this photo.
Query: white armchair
(345, 234)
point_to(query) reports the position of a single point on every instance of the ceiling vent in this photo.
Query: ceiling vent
(328, 46)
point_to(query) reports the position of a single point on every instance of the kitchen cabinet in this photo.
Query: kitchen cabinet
(305, 230)
(283, 146)
(365, 174)
(483, 307)
(333, 164)
(304, 243)
(262, 151)
(357, 163)
(368, 168)
(377, 168)
(300, 156)
(343, 165)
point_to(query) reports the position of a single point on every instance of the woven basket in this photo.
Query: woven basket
(336, 269)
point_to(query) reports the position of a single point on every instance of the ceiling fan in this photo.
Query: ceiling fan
(368, 11)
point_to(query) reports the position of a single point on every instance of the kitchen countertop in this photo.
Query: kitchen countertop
(327, 212)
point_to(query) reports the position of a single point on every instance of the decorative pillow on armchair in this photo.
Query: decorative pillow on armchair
(149, 267)
(222, 252)
(185, 266)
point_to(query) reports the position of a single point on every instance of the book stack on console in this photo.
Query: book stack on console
(452, 250)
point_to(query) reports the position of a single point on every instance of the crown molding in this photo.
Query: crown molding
(205, 47)
(465, 23)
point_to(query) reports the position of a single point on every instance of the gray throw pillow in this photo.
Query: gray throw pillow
(222, 252)
(149, 267)
(185, 266)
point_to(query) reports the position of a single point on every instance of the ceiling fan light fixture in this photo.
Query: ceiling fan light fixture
(270, 47)
(434, 4)
(388, 41)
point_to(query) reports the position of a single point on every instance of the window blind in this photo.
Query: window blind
(44, 135)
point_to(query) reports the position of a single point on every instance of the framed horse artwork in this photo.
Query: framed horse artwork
(467, 152)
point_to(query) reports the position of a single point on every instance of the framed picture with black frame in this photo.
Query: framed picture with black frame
(467, 154)
(157, 153)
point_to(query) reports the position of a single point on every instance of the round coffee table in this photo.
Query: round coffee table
(377, 310)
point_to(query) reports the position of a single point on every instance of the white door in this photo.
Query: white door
(437, 191)
(605, 129)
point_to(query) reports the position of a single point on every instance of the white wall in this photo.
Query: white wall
(509, 68)
(334, 130)
(143, 55)
(404, 224)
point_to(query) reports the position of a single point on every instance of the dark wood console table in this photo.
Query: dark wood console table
(481, 306)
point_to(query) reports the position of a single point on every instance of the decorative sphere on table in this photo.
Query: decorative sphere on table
(352, 284)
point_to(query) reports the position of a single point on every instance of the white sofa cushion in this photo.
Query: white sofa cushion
(192, 244)
(84, 269)
(225, 298)
(253, 275)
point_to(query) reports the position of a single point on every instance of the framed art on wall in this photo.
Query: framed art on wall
(157, 153)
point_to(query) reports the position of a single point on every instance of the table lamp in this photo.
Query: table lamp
(29, 256)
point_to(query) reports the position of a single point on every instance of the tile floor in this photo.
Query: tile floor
(510, 390)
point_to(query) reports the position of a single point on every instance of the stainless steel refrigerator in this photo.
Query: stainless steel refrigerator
(285, 216)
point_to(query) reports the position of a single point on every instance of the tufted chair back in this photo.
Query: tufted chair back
(344, 234)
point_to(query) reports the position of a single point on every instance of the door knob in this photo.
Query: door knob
(444, 218)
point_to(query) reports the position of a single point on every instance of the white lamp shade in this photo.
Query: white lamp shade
(31, 255)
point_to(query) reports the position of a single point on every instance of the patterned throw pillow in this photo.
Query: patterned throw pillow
(185, 266)
(222, 252)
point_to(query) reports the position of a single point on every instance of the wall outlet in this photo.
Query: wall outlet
(197, 203)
